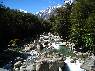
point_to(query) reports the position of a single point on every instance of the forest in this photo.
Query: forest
(16, 25)
(76, 23)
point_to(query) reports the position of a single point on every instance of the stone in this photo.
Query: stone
(42, 66)
(16, 69)
(60, 69)
(19, 59)
(31, 67)
(49, 64)
(92, 68)
(1, 69)
(72, 61)
(17, 64)
(89, 64)
(8, 66)
(22, 68)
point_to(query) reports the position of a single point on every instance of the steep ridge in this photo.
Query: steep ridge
(45, 14)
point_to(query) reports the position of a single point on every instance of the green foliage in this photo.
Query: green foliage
(82, 29)
(19, 25)
(61, 21)
(88, 40)
(76, 22)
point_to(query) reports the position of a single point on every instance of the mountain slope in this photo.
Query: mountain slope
(45, 14)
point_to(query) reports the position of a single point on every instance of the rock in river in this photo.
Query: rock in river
(89, 64)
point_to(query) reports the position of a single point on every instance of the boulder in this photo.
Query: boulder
(19, 59)
(17, 64)
(72, 61)
(31, 67)
(1, 69)
(60, 69)
(22, 68)
(50, 64)
(16, 69)
(89, 64)
(42, 66)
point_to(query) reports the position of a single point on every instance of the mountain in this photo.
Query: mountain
(69, 1)
(23, 11)
(45, 14)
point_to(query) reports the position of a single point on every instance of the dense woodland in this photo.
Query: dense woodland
(74, 22)
(16, 25)
(16, 29)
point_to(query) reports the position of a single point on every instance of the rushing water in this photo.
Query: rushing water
(68, 66)
(72, 66)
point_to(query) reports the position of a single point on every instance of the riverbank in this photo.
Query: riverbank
(45, 54)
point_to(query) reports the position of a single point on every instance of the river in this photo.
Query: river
(68, 66)
(71, 66)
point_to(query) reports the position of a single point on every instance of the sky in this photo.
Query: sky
(32, 6)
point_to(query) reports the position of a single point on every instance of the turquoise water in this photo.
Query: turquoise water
(65, 51)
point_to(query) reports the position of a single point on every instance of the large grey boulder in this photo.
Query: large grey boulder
(49, 64)
(17, 64)
(89, 64)
(42, 66)
(31, 67)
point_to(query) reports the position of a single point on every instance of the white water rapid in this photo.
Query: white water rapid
(73, 66)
